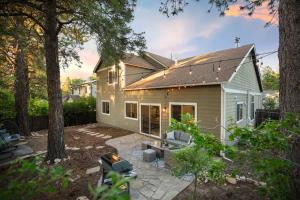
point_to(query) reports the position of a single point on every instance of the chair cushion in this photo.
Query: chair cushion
(184, 137)
(177, 135)
(170, 136)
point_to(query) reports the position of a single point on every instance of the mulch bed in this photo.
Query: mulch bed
(241, 191)
(80, 160)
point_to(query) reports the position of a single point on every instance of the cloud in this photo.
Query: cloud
(175, 34)
(260, 13)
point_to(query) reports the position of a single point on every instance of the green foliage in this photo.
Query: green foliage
(200, 159)
(114, 192)
(38, 107)
(80, 105)
(270, 79)
(27, 180)
(7, 102)
(269, 103)
(265, 150)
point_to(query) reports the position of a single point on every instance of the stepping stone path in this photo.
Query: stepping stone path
(88, 147)
(92, 170)
(82, 198)
(92, 133)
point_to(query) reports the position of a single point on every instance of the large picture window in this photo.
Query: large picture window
(239, 111)
(252, 108)
(131, 110)
(179, 109)
(105, 107)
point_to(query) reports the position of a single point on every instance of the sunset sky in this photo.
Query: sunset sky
(191, 33)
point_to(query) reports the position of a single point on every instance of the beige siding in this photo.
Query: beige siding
(245, 78)
(134, 74)
(208, 101)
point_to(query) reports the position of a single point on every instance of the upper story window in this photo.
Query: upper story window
(252, 108)
(239, 111)
(179, 109)
(105, 107)
(111, 77)
(131, 110)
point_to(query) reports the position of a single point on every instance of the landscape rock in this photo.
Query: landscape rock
(99, 147)
(92, 170)
(82, 198)
(231, 180)
(88, 147)
(57, 160)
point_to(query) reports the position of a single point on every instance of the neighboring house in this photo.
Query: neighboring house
(70, 97)
(85, 89)
(142, 93)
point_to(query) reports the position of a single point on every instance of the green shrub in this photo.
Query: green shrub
(266, 151)
(80, 105)
(270, 103)
(104, 192)
(27, 180)
(38, 107)
(201, 159)
(7, 104)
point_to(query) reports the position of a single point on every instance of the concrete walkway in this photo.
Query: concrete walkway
(152, 182)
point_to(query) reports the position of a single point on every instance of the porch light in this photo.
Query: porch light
(190, 70)
(165, 109)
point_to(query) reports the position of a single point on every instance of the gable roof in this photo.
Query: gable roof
(141, 61)
(204, 70)
(166, 62)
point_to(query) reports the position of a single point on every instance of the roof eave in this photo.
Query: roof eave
(173, 86)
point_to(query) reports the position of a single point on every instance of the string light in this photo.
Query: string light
(262, 55)
(190, 70)
(217, 78)
(203, 82)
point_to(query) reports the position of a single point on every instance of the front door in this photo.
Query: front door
(150, 119)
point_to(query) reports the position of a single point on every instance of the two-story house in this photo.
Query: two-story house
(142, 93)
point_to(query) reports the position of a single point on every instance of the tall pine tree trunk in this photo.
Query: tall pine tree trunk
(289, 62)
(21, 90)
(56, 145)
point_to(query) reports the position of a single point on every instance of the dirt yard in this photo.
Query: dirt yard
(84, 146)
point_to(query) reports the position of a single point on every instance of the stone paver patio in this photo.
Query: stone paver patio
(152, 182)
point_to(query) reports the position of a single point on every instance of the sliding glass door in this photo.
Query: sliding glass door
(150, 119)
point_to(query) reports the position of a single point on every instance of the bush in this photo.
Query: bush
(80, 105)
(7, 104)
(27, 180)
(267, 152)
(269, 103)
(38, 107)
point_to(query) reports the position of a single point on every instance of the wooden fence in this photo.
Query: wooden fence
(37, 123)
(261, 115)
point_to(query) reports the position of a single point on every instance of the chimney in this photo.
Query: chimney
(237, 42)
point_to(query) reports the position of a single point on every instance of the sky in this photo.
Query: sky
(193, 32)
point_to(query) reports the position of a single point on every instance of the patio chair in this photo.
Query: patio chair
(10, 131)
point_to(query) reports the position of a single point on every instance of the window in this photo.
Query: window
(252, 108)
(239, 111)
(111, 77)
(179, 109)
(105, 107)
(131, 110)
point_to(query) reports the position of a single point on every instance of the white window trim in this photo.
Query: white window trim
(252, 120)
(137, 107)
(102, 107)
(160, 118)
(240, 103)
(183, 103)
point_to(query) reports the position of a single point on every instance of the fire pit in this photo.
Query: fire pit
(113, 162)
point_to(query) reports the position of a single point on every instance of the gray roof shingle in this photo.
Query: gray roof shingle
(204, 70)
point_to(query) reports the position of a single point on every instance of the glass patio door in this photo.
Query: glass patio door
(150, 119)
